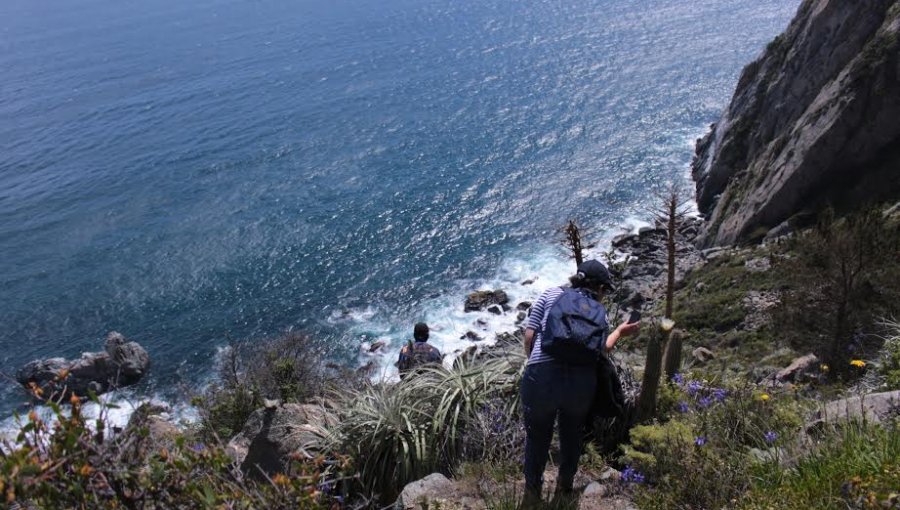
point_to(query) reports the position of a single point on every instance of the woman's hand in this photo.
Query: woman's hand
(628, 329)
(624, 329)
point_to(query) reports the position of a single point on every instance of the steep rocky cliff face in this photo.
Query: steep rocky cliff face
(815, 120)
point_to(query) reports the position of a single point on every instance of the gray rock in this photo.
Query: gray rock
(471, 336)
(780, 230)
(711, 253)
(121, 364)
(798, 368)
(620, 240)
(495, 309)
(595, 489)
(874, 407)
(703, 355)
(523, 306)
(151, 428)
(271, 435)
(376, 346)
(610, 475)
(421, 493)
(758, 265)
(521, 316)
(482, 299)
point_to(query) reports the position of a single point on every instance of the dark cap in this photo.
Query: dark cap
(420, 332)
(594, 271)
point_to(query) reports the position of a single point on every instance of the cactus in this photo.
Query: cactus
(646, 406)
(672, 357)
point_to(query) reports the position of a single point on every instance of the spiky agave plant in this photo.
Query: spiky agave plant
(461, 392)
(386, 433)
(397, 433)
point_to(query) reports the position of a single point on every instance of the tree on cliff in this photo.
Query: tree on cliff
(844, 276)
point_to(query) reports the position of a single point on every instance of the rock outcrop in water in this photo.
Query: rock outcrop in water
(122, 363)
(815, 120)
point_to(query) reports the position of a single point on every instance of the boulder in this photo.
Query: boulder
(798, 369)
(471, 336)
(623, 239)
(121, 364)
(480, 300)
(495, 309)
(782, 229)
(703, 355)
(422, 493)
(272, 435)
(150, 429)
(376, 346)
(521, 316)
(873, 407)
(523, 306)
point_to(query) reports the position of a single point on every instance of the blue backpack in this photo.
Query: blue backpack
(576, 329)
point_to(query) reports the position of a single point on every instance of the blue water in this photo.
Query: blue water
(193, 172)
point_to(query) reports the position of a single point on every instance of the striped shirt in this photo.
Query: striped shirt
(537, 320)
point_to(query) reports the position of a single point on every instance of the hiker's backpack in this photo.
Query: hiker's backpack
(575, 330)
(416, 354)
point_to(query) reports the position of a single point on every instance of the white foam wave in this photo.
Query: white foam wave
(116, 409)
(524, 275)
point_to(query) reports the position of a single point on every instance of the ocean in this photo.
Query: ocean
(195, 173)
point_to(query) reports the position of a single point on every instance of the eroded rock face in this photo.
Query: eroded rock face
(123, 363)
(482, 299)
(814, 120)
(272, 434)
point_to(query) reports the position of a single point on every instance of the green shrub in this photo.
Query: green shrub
(843, 275)
(289, 368)
(698, 457)
(854, 467)
(75, 462)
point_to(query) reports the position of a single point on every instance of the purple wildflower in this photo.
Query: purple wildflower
(631, 475)
(700, 441)
(198, 447)
(720, 394)
(678, 379)
(704, 402)
(694, 387)
(683, 407)
(771, 436)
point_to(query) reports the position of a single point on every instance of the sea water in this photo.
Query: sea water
(194, 173)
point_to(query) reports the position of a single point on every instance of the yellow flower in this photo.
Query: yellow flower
(824, 367)
(858, 363)
(764, 397)
(281, 479)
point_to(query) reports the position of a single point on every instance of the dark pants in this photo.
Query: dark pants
(550, 389)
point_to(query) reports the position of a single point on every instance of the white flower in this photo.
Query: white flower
(667, 325)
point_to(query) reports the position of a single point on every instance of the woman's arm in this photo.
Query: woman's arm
(529, 341)
(624, 329)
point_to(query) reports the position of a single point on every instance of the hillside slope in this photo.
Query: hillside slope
(814, 120)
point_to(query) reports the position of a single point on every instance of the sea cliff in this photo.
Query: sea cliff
(814, 121)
